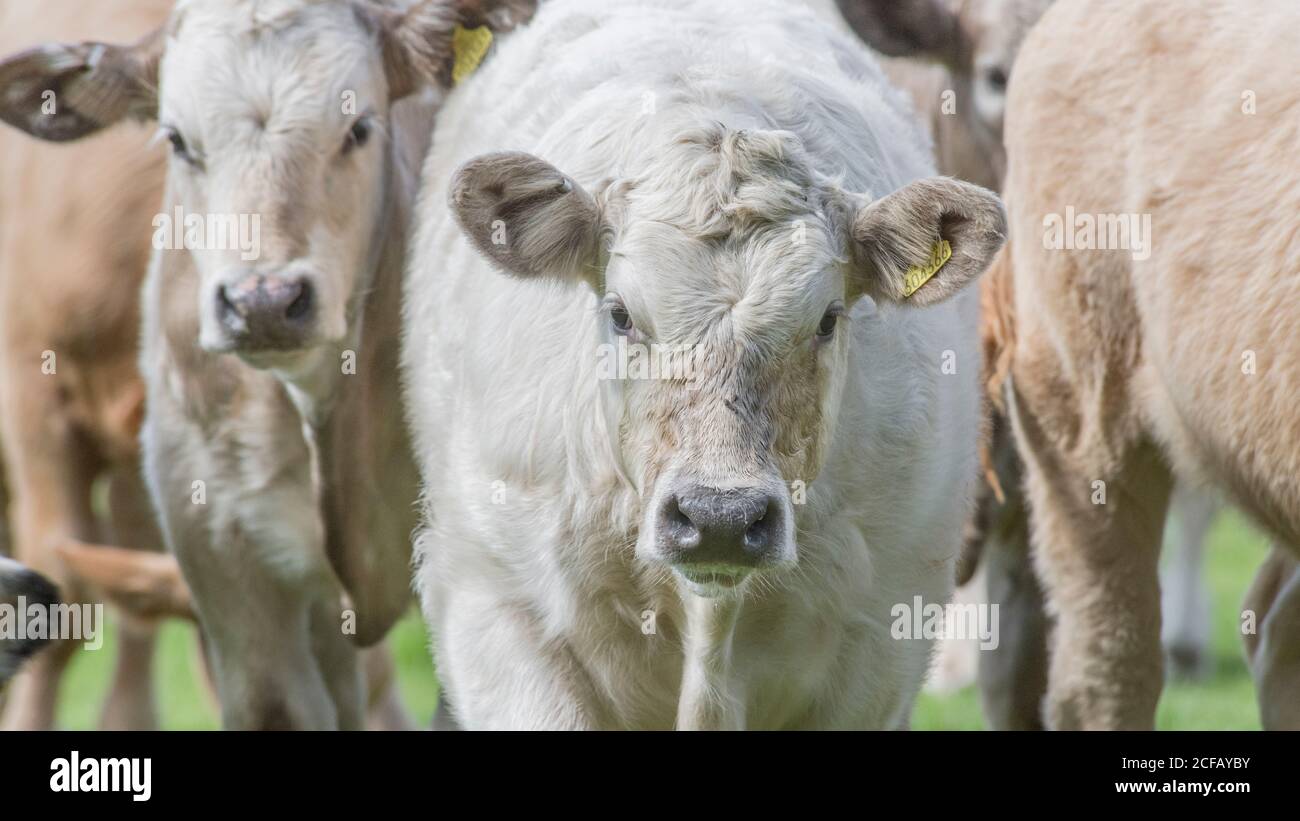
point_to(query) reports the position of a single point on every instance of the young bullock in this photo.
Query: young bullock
(735, 546)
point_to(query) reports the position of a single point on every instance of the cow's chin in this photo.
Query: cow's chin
(718, 582)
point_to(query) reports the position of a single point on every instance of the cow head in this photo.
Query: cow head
(277, 115)
(976, 40)
(736, 255)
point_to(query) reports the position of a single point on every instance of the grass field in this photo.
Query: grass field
(1224, 702)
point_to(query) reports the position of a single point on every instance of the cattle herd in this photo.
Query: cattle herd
(676, 356)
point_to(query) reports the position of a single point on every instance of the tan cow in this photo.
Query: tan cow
(1153, 288)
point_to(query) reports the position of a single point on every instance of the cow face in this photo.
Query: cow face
(735, 268)
(977, 40)
(277, 117)
(276, 113)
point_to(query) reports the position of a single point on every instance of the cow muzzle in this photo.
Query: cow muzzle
(258, 313)
(714, 538)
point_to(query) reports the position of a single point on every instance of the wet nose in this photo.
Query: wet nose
(736, 527)
(266, 312)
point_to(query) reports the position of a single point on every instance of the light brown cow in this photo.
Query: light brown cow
(1162, 344)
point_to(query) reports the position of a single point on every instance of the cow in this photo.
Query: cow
(733, 537)
(20, 589)
(1134, 357)
(273, 441)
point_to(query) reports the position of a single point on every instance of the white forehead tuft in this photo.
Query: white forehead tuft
(285, 65)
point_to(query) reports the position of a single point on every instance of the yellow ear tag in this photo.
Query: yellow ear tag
(468, 47)
(918, 275)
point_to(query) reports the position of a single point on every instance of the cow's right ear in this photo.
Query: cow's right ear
(923, 29)
(61, 92)
(527, 217)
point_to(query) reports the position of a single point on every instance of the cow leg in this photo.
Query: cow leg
(1013, 676)
(339, 663)
(1185, 604)
(130, 704)
(253, 557)
(1096, 534)
(501, 674)
(1274, 655)
(50, 469)
(384, 709)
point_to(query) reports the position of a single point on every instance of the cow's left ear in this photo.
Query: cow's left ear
(421, 45)
(926, 241)
(527, 217)
(60, 92)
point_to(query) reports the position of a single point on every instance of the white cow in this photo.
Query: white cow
(741, 545)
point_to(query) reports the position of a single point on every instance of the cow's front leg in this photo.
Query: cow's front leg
(239, 510)
(1096, 534)
(1274, 655)
(503, 674)
(710, 698)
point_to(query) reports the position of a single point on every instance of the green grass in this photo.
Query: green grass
(184, 702)
(1225, 701)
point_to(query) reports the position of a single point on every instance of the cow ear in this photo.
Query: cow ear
(421, 46)
(924, 29)
(527, 217)
(926, 241)
(63, 92)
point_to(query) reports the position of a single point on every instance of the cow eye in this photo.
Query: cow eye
(620, 319)
(179, 147)
(358, 135)
(829, 320)
(996, 77)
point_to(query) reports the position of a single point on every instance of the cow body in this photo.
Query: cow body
(1128, 368)
(547, 613)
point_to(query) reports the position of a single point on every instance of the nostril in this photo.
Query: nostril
(759, 533)
(683, 532)
(301, 304)
(224, 303)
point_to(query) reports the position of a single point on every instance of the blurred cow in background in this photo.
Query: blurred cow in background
(1136, 361)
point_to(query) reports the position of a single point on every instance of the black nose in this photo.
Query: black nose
(266, 313)
(733, 527)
